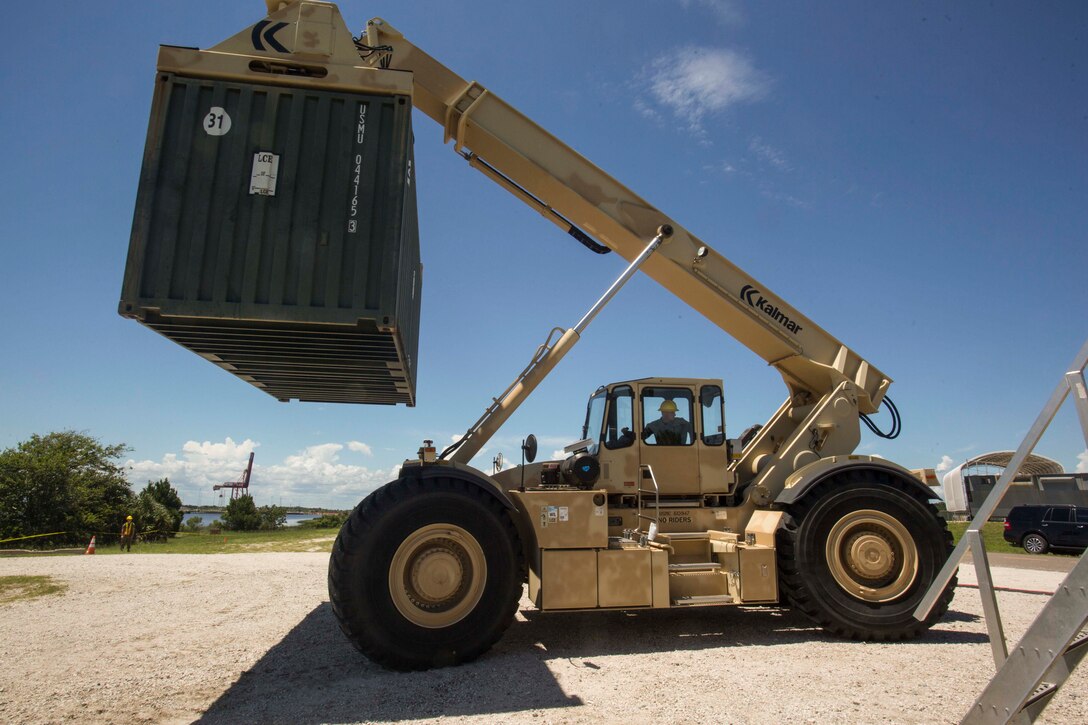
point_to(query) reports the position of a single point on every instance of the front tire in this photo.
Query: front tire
(425, 573)
(858, 554)
(1036, 544)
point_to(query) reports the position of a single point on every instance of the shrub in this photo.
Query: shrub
(272, 517)
(326, 521)
(241, 514)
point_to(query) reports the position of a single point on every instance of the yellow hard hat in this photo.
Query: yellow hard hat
(668, 407)
(128, 518)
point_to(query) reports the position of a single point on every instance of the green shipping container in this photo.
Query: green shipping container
(276, 235)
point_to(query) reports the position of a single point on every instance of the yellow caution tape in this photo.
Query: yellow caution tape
(93, 533)
(33, 536)
(110, 533)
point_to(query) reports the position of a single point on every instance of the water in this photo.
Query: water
(208, 517)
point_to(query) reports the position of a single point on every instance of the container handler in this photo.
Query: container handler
(654, 507)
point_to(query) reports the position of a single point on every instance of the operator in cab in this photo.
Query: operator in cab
(669, 430)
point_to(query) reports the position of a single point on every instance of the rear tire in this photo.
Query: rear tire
(425, 573)
(859, 553)
(1036, 544)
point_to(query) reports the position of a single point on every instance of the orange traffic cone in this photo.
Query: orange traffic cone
(90, 547)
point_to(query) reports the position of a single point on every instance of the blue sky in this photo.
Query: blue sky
(912, 176)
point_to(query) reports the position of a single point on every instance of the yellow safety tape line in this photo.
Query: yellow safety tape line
(35, 536)
(93, 533)
(108, 533)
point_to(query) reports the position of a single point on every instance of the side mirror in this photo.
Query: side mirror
(528, 447)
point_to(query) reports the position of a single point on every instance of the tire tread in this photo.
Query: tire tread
(353, 537)
(792, 579)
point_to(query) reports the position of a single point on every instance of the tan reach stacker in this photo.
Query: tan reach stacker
(250, 255)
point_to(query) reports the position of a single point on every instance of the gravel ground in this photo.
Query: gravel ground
(251, 638)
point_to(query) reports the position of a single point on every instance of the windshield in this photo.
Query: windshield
(594, 420)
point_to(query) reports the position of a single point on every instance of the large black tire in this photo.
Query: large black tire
(426, 573)
(858, 553)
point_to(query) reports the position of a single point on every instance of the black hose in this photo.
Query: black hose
(897, 421)
(586, 241)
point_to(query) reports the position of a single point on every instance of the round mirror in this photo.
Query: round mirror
(528, 446)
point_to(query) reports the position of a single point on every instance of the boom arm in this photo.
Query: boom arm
(307, 42)
(575, 194)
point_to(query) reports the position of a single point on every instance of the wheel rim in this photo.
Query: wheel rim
(1033, 544)
(872, 556)
(437, 575)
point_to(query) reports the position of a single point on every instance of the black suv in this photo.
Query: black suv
(1041, 528)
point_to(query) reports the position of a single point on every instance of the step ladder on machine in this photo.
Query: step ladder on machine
(1029, 676)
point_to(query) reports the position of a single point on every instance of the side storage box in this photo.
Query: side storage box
(276, 235)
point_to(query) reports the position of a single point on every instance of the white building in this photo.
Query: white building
(957, 492)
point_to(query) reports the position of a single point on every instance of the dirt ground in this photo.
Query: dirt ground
(251, 638)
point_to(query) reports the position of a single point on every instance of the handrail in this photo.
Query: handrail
(644, 468)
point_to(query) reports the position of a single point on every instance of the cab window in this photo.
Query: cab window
(620, 422)
(713, 415)
(594, 420)
(667, 416)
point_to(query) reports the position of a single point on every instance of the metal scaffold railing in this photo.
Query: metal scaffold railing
(1027, 678)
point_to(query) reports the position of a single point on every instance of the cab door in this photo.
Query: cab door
(714, 474)
(667, 438)
(618, 454)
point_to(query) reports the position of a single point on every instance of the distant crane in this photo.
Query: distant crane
(237, 488)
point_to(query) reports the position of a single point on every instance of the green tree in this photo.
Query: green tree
(194, 524)
(63, 481)
(153, 520)
(162, 492)
(241, 515)
(272, 517)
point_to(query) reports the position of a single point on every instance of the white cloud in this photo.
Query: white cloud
(785, 198)
(323, 453)
(694, 82)
(763, 157)
(359, 447)
(646, 110)
(200, 464)
(1082, 462)
(317, 471)
(946, 464)
(769, 154)
(315, 476)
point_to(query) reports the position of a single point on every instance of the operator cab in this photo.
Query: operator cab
(674, 425)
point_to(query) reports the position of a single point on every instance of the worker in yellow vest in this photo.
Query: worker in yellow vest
(128, 533)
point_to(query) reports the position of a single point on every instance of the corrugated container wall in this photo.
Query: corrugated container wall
(275, 234)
